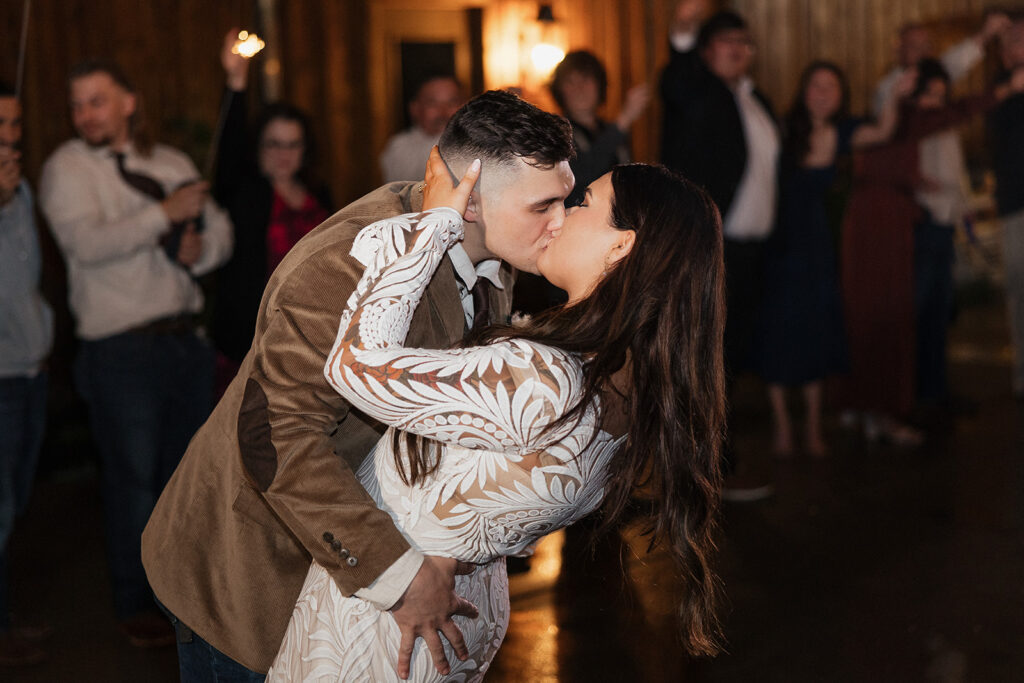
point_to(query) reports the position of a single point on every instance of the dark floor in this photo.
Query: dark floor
(877, 564)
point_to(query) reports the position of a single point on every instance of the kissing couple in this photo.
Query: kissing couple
(389, 439)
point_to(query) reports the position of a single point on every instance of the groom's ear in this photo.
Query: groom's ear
(472, 208)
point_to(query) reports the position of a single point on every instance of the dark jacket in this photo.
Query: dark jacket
(1006, 129)
(248, 197)
(702, 133)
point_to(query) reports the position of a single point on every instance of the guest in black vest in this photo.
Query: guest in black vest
(719, 131)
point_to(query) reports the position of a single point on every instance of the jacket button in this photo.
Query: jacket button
(328, 537)
(352, 561)
(343, 553)
(335, 545)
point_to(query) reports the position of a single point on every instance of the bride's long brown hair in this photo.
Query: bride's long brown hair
(658, 316)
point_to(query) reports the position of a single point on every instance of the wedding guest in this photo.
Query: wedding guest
(943, 199)
(266, 184)
(719, 131)
(580, 86)
(1006, 128)
(801, 337)
(124, 213)
(878, 259)
(26, 336)
(437, 97)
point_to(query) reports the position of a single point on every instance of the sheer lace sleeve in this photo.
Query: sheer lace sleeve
(499, 397)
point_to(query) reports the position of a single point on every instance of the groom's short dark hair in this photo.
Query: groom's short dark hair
(498, 126)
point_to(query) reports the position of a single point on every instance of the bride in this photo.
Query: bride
(529, 428)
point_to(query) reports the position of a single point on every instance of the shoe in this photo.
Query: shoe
(744, 488)
(148, 630)
(17, 651)
(903, 436)
(33, 633)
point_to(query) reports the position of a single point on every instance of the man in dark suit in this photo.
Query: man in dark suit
(268, 484)
(719, 131)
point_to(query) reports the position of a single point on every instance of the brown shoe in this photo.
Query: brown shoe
(148, 630)
(16, 651)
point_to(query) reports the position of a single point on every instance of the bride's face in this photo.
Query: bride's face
(587, 244)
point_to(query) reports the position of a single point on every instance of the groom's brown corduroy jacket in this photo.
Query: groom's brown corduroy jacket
(272, 471)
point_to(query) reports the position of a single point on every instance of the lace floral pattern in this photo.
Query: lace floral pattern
(504, 479)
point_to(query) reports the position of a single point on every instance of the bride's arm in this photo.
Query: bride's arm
(498, 397)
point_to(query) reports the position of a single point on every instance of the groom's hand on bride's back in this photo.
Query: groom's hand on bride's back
(427, 607)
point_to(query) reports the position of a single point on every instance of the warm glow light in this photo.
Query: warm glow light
(248, 44)
(546, 57)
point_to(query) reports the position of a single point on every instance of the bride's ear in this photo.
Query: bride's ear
(623, 245)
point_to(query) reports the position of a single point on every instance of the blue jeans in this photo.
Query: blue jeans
(147, 395)
(22, 421)
(200, 662)
(933, 305)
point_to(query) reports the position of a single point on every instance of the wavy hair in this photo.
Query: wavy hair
(797, 142)
(658, 317)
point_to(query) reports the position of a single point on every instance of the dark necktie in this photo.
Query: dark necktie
(171, 240)
(481, 302)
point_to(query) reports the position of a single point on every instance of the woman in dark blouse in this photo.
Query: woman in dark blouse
(264, 183)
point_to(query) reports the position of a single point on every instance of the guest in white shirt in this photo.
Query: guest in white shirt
(437, 98)
(136, 228)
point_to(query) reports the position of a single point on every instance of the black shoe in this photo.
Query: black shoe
(148, 630)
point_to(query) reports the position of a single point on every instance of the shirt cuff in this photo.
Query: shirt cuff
(387, 588)
(683, 41)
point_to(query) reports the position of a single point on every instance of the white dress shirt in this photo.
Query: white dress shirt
(751, 215)
(957, 60)
(119, 277)
(405, 156)
(941, 158)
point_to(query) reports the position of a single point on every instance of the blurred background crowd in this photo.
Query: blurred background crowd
(867, 160)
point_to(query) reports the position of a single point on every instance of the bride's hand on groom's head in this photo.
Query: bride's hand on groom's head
(439, 188)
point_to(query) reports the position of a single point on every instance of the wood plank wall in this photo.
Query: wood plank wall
(859, 35)
(171, 48)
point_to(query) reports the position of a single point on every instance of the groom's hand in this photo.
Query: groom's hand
(426, 608)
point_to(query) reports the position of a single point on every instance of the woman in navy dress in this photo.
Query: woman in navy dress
(802, 339)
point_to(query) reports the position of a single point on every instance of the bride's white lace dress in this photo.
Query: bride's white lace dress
(503, 481)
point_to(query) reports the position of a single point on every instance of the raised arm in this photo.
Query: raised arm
(232, 156)
(882, 130)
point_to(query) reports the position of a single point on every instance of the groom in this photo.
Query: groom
(268, 483)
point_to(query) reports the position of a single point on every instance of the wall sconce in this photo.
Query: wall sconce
(547, 51)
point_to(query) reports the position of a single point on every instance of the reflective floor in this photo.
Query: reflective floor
(876, 564)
